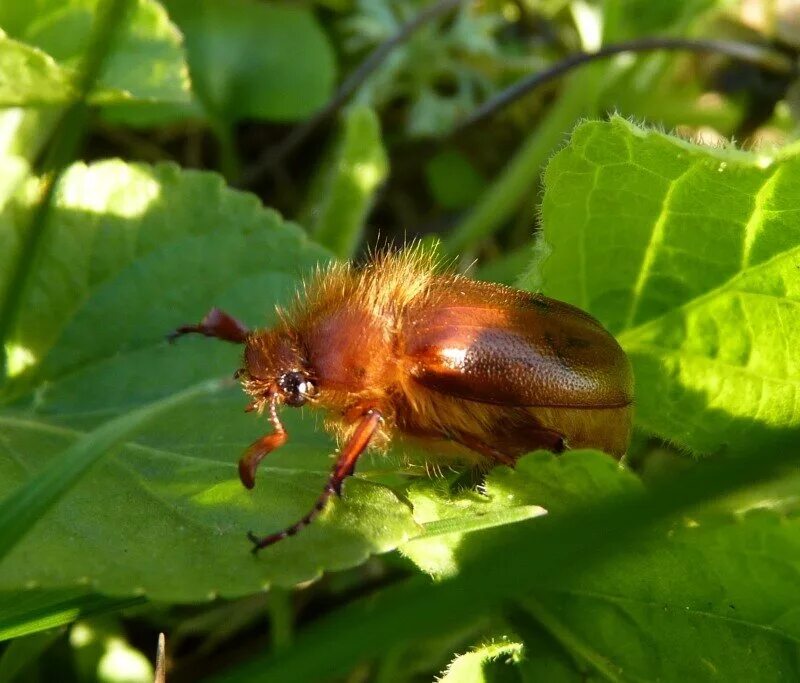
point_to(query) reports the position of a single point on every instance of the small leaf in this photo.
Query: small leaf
(146, 60)
(29, 76)
(690, 256)
(244, 60)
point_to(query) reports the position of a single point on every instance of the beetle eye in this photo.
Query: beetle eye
(296, 388)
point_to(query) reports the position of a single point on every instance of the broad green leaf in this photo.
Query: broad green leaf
(29, 76)
(345, 192)
(721, 592)
(146, 60)
(250, 59)
(28, 503)
(470, 667)
(690, 256)
(706, 585)
(129, 257)
(108, 215)
(757, 570)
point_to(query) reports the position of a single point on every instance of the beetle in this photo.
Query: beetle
(401, 348)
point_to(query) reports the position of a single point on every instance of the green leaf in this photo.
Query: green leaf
(26, 505)
(127, 258)
(690, 256)
(108, 215)
(540, 483)
(567, 549)
(722, 592)
(146, 61)
(345, 194)
(249, 59)
(29, 76)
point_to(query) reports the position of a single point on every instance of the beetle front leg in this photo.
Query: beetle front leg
(217, 324)
(255, 453)
(261, 448)
(344, 467)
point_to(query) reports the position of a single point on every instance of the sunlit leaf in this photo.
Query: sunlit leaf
(255, 60)
(690, 256)
(128, 258)
(145, 62)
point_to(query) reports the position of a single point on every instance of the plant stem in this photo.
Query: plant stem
(519, 176)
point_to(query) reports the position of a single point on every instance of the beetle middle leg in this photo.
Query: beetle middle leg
(538, 437)
(217, 324)
(344, 467)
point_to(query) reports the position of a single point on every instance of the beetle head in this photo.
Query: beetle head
(274, 370)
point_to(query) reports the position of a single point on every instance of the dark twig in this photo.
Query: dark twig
(767, 57)
(275, 155)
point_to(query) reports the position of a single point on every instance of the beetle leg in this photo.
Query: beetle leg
(218, 324)
(345, 464)
(255, 453)
(475, 444)
(262, 447)
(537, 438)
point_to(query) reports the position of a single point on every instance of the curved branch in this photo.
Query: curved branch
(769, 58)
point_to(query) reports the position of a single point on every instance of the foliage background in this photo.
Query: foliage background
(161, 157)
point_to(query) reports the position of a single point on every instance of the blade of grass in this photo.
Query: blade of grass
(25, 506)
(356, 171)
(470, 523)
(23, 652)
(40, 610)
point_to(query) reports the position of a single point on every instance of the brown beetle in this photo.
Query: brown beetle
(398, 348)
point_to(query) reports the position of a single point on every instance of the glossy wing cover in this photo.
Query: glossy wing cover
(492, 344)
